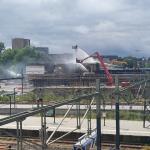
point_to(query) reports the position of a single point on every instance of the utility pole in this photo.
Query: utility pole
(10, 105)
(98, 115)
(43, 126)
(117, 114)
(14, 97)
(19, 134)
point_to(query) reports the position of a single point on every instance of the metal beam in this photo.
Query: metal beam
(17, 78)
(32, 112)
(59, 125)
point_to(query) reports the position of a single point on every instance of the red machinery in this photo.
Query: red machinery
(100, 59)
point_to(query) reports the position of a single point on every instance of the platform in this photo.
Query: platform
(134, 128)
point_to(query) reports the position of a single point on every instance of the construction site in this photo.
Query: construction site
(76, 102)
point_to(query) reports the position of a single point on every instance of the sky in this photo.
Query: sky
(111, 27)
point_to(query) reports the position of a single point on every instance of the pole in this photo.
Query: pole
(18, 140)
(14, 97)
(45, 135)
(10, 105)
(98, 116)
(21, 135)
(78, 115)
(43, 126)
(89, 117)
(104, 121)
(104, 113)
(22, 82)
(144, 115)
(54, 115)
(117, 115)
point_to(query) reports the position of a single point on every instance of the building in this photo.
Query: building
(18, 43)
(42, 50)
(64, 58)
(35, 69)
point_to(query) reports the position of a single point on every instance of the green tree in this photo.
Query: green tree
(131, 62)
(14, 56)
(6, 56)
(25, 55)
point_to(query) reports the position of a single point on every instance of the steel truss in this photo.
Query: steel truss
(42, 110)
(19, 118)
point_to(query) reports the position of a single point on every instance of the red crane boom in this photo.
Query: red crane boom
(100, 59)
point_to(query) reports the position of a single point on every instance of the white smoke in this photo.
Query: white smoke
(81, 55)
(80, 66)
(13, 73)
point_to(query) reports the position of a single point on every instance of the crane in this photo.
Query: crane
(82, 56)
(100, 59)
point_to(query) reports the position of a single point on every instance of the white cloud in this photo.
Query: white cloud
(98, 6)
(105, 26)
(81, 29)
(114, 27)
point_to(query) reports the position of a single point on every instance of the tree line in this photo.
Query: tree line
(30, 55)
(13, 56)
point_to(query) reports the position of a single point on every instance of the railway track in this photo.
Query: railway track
(124, 146)
(108, 145)
(35, 144)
